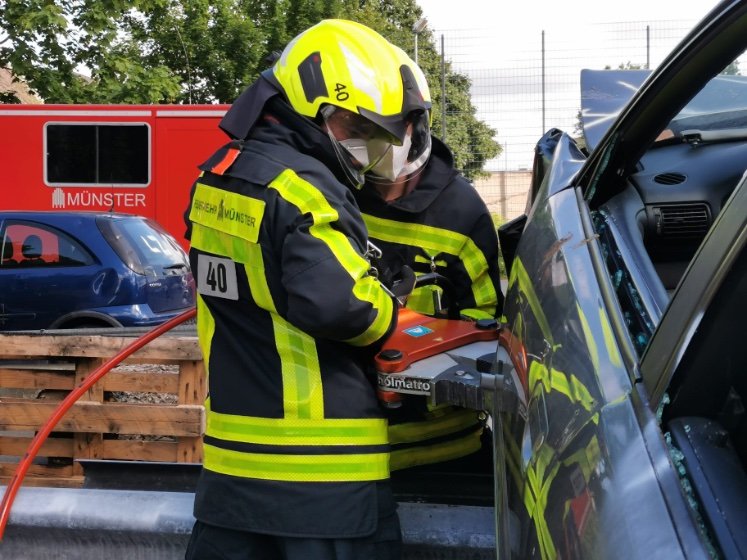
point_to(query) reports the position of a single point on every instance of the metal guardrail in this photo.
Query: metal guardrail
(83, 524)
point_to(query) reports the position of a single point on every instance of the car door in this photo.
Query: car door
(52, 276)
(590, 471)
(579, 463)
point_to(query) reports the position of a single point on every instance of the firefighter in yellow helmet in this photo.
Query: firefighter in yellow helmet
(290, 313)
(430, 219)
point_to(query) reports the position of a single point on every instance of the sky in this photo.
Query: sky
(494, 37)
(514, 18)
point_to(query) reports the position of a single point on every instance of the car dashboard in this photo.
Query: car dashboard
(682, 187)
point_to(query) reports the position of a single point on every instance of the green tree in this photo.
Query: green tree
(732, 69)
(628, 66)
(206, 51)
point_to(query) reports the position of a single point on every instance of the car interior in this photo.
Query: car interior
(706, 417)
(32, 251)
(649, 233)
(652, 228)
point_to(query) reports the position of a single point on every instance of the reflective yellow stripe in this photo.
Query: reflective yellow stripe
(475, 314)
(227, 212)
(410, 432)
(297, 468)
(609, 339)
(309, 200)
(296, 431)
(255, 273)
(436, 453)
(513, 455)
(302, 378)
(591, 345)
(438, 240)
(299, 362)
(220, 243)
(554, 380)
(206, 330)
(369, 289)
(421, 299)
(438, 410)
(519, 274)
(586, 458)
(536, 490)
(538, 485)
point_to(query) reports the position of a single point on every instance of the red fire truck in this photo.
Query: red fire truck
(140, 159)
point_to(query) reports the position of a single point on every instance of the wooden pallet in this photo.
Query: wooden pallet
(37, 371)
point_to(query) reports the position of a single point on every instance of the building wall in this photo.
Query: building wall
(18, 88)
(505, 192)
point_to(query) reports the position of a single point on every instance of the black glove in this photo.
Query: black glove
(380, 270)
(404, 284)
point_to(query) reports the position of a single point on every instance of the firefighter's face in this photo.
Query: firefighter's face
(370, 147)
(346, 125)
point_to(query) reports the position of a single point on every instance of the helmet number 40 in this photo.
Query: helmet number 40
(342, 94)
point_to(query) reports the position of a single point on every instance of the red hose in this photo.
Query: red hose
(15, 483)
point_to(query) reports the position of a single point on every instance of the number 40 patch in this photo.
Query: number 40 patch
(217, 277)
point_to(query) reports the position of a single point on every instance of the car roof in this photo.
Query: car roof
(62, 214)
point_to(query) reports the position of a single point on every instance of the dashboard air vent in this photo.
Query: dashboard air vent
(669, 178)
(682, 220)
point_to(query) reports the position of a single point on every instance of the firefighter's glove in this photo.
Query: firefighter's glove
(404, 284)
(381, 271)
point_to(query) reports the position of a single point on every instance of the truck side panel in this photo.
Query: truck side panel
(181, 144)
(41, 166)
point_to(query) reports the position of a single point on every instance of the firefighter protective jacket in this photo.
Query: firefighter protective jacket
(441, 226)
(288, 318)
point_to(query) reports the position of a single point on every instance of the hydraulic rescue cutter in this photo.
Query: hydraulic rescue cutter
(447, 361)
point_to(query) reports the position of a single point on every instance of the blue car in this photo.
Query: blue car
(63, 270)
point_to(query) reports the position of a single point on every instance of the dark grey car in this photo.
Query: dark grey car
(626, 306)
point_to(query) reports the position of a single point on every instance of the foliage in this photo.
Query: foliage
(628, 66)
(9, 98)
(732, 69)
(206, 51)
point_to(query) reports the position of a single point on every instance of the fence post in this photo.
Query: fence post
(543, 83)
(443, 91)
(648, 47)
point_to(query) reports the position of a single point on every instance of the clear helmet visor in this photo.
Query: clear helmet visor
(364, 147)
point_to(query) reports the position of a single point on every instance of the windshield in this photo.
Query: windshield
(720, 106)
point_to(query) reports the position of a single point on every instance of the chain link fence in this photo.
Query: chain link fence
(527, 87)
